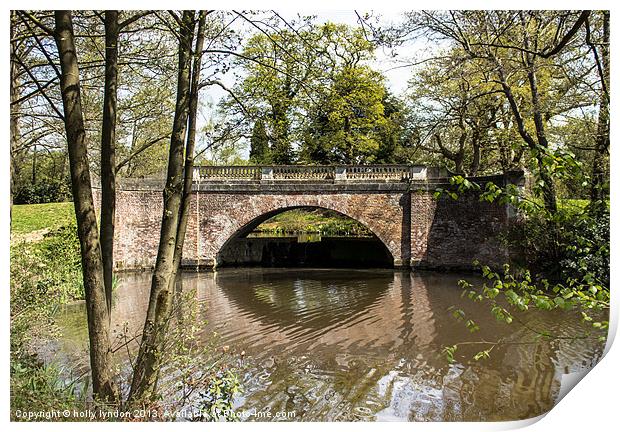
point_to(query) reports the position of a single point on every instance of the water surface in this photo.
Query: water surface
(366, 344)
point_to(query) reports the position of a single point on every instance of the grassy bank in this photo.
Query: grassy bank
(45, 273)
(315, 221)
(28, 218)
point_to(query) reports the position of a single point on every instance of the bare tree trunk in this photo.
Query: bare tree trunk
(158, 312)
(548, 189)
(599, 191)
(92, 266)
(14, 125)
(108, 151)
(191, 144)
(475, 159)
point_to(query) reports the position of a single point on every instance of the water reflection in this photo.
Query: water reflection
(365, 344)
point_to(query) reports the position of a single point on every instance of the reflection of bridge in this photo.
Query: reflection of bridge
(394, 201)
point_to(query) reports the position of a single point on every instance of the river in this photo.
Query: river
(341, 344)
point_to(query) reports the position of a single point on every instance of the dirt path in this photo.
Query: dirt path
(31, 237)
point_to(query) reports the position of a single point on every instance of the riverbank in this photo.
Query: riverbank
(46, 279)
(313, 221)
(45, 274)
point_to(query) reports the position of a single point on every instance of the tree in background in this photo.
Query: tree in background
(349, 125)
(293, 79)
(539, 62)
(457, 111)
(281, 68)
(392, 136)
(259, 144)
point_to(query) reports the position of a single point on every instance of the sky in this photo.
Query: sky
(396, 78)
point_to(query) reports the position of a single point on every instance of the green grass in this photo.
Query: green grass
(321, 221)
(578, 204)
(33, 217)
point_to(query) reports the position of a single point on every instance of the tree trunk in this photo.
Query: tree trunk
(599, 191)
(14, 125)
(548, 184)
(458, 164)
(34, 165)
(280, 147)
(548, 188)
(191, 144)
(108, 153)
(475, 159)
(459, 156)
(158, 312)
(92, 266)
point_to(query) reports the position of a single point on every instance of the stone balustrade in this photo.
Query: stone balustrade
(311, 173)
(206, 173)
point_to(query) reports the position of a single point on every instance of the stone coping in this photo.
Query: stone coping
(319, 186)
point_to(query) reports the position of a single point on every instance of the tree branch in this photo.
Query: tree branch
(139, 150)
(49, 31)
(228, 90)
(41, 47)
(34, 92)
(568, 36)
(134, 18)
(41, 90)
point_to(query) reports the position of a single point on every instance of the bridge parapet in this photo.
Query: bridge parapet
(218, 173)
(313, 173)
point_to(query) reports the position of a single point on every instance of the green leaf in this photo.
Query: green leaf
(482, 355)
(448, 352)
(472, 326)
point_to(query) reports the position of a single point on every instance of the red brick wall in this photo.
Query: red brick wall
(449, 233)
(416, 228)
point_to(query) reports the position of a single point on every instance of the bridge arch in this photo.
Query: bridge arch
(252, 219)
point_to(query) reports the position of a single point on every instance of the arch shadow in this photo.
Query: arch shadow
(365, 243)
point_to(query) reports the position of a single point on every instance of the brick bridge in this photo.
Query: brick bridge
(395, 202)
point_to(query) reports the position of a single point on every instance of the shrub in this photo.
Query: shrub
(571, 245)
(586, 247)
(43, 192)
(43, 275)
